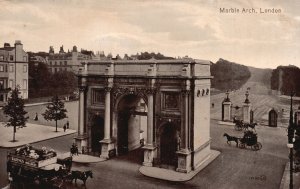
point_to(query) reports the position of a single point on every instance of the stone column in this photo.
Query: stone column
(184, 155)
(149, 148)
(107, 114)
(107, 144)
(81, 138)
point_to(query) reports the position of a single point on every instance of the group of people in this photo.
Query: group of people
(66, 126)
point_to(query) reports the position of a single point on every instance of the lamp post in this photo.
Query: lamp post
(290, 145)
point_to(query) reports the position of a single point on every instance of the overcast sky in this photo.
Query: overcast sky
(174, 28)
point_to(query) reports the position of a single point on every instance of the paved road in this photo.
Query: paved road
(234, 168)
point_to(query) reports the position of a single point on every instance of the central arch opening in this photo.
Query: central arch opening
(131, 123)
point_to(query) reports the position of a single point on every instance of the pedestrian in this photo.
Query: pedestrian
(213, 105)
(67, 124)
(65, 127)
(36, 117)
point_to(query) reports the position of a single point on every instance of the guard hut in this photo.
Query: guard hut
(246, 109)
(175, 119)
(273, 118)
(226, 108)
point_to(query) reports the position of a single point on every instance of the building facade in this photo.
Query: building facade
(67, 61)
(13, 70)
(162, 106)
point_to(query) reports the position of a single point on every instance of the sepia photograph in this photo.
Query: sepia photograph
(149, 94)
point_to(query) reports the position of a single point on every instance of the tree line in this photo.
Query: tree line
(286, 79)
(43, 83)
(228, 75)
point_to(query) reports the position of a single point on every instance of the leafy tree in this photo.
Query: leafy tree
(55, 111)
(229, 75)
(15, 110)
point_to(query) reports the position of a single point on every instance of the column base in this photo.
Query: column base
(107, 148)
(81, 142)
(149, 155)
(184, 161)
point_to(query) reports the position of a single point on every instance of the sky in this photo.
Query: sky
(196, 28)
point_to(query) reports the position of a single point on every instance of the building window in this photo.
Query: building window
(11, 57)
(98, 96)
(11, 68)
(50, 63)
(24, 58)
(1, 58)
(1, 98)
(55, 70)
(60, 63)
(11, 83)
(1, 68)
(24, 68)
(55, 63)
(24, 83)
(65, 69)
(66, 63)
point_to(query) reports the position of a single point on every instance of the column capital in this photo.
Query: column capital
(185, 92)
(151, 90)
(82, 88)
(107, 89)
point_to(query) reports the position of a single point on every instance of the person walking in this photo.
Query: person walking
(65, 127)
(36, 117)
(67, 124)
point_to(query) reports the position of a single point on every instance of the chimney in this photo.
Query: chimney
(18, 42)
(6, 45)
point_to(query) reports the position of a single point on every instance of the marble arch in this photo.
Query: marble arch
(172, 91)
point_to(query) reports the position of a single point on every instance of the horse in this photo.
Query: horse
(251, 125)
(231, 138)
(82, 175)
(74, 150)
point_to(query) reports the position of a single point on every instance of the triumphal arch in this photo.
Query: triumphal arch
(161, 106)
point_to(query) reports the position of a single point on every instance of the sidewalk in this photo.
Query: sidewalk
(285, 181)
(30, 134)
(171, 175)
(83, 158)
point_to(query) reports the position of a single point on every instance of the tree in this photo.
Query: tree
(15, 110)
(55, 111)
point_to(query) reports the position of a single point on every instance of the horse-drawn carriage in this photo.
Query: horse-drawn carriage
(248, 140)
(241, 125)
(30, 167)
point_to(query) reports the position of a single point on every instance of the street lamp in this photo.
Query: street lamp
(291, 133)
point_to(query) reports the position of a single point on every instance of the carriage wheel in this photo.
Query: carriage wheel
(256, 146)
(242, 145)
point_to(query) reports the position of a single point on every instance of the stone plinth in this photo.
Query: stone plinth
(227, 111)
(107, 146)
(149, 155)
(184, 161)
(81, 142)
(246, 112)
